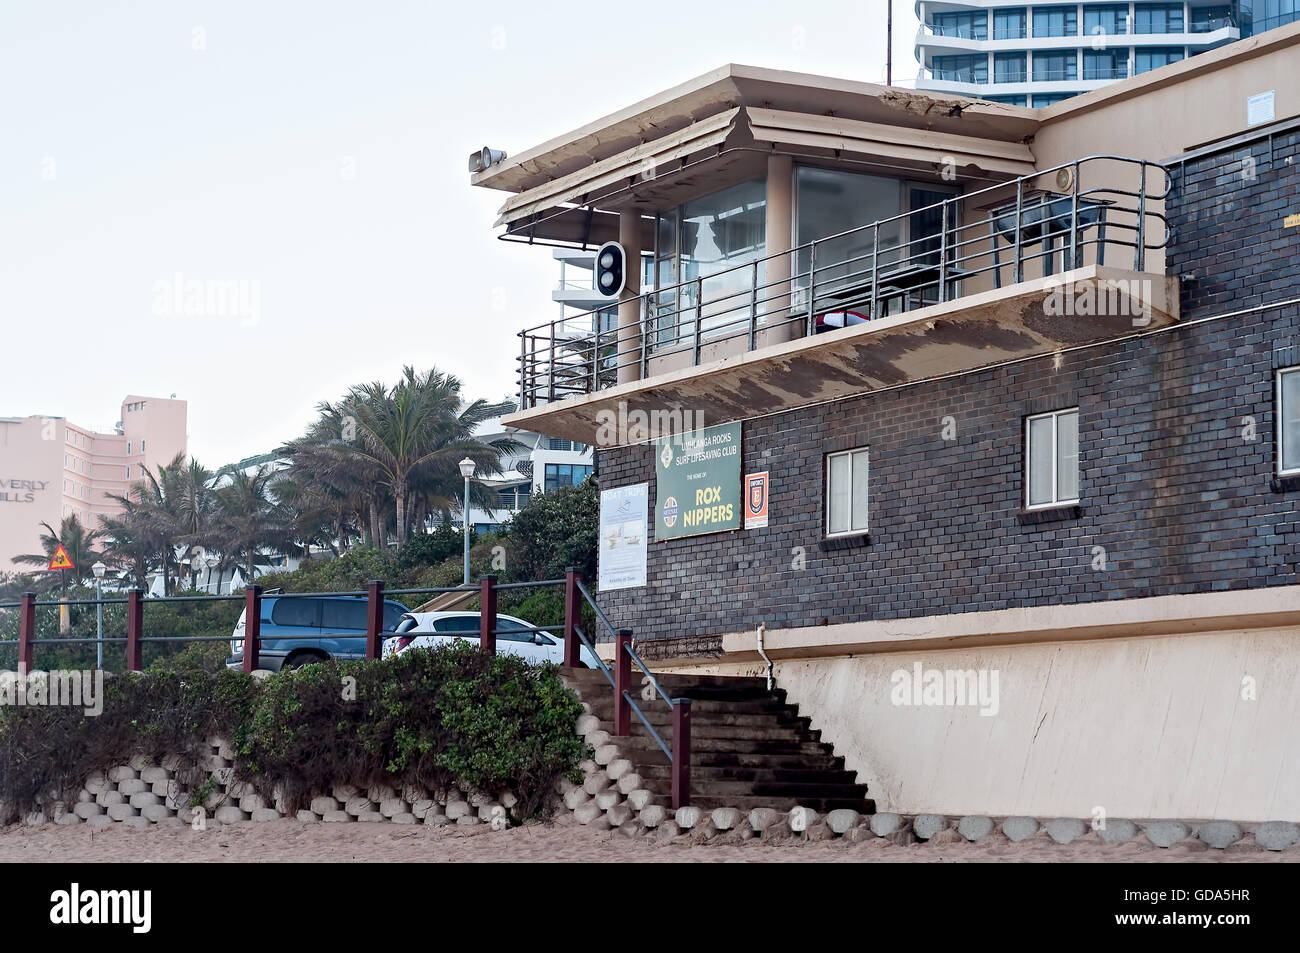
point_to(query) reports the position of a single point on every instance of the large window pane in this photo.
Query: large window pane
(1067, 457)
(1055, 21)
(860, 471)
(1040, 461)
(828, 202)
(1289, 398)
(838, 489)
(719, 232)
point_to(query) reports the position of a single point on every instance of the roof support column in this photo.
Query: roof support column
(773, 296)
(629, 304)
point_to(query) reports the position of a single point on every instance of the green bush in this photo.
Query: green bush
(440, 717)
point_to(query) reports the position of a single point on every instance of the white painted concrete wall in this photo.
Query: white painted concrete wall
(1141, 727)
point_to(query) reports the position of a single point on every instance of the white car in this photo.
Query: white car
(418, 630)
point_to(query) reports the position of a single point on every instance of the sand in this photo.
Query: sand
(562, 840)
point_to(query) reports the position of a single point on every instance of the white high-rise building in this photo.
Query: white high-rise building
(1038, 54)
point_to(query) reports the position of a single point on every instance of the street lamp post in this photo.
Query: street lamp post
(467, 471)
(98, 569)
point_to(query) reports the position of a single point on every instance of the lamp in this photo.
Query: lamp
(467, 471)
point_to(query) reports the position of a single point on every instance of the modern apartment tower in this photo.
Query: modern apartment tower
(1039, 54)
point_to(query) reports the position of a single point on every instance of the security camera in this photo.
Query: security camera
(485, 158)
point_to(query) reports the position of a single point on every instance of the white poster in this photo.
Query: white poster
(1259, 108)
(623, 536)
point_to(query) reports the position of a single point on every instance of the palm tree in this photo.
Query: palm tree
(408, 440)
(247, 519)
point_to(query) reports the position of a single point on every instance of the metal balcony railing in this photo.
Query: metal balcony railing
(1097, 206)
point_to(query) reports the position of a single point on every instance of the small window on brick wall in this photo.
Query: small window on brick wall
(846, 493)
(1052, 459)
(1288, 416)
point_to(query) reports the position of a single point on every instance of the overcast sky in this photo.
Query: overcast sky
(315, 151)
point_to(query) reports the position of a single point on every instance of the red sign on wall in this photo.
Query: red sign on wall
(755, 505)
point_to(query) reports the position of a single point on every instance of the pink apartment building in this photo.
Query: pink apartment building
(51, 468)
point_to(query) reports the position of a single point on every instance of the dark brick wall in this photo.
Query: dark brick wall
(1169, 488)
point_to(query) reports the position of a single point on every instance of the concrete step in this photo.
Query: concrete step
(785, 746)
(801, 793)
(767, 776)
(738, 760)
(661, 716)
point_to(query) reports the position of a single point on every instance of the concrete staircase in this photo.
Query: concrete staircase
(749, 747)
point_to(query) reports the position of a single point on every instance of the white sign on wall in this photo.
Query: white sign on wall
(623, 536)
(1259, 108)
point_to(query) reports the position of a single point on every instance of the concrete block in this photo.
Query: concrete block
(1166, 833)
(1276, 835)
(229, 814)
(131, 786)
(251, 802)
(458, 809)
(100, 821)
(392, 806)
(1019, 828)
(840, 821)
(263, 814)
(137, 822)
(639, 799)
(802, 818)
(886, 823)
(308, 817)
(608, 798)
(120, 812)
(619, 815)
(406, 817)
(154, 773)
(336, 817)
(725, 818)
(926, 826)
(1063, 830)
(652, 815)
(1220, 834)
(87, 809)
(688, 817)
(145, 799)
(973, 827)
(1117, 831)
(156, 812)
(323, 804)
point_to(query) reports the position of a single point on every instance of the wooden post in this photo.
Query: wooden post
(681, 791)
(622, 683)
(252, 627)
(572, 610)
(26, 632)
(487, 617)
(134, 628)
(374, 619)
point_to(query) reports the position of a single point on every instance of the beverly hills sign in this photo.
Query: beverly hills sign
(21, 491)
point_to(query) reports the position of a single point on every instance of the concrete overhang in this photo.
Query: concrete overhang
(977, 330)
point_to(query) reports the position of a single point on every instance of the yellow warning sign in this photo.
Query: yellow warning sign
(60, 559)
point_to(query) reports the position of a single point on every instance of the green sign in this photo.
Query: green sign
(698, 482)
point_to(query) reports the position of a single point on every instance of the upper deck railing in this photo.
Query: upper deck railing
(1083, 211)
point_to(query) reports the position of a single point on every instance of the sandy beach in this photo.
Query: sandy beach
(560, 841)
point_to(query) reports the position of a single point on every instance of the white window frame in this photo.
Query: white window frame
(1054, 502)
(1281, 419)
(826, 489)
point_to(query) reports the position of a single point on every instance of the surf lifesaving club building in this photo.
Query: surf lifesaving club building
(977, 427)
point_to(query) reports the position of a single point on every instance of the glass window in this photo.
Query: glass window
(508, 630)
(1009, 68)
(1105, 20)
(297, 612)
(970, 26)
(1055, 65)
(457, 623)
(340, 614)
(718, 233)
(1009, 100)
(1052, 458)
(1056, 21)
(1009, 24)
(1158, 18)
(960, 69)
(1105, 64)
(565, 474)
(846, 493)
(1050, 99)
(1288, 412)
(1144, 60)
(831, 201)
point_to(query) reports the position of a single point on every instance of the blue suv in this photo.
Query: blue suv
(314, 628)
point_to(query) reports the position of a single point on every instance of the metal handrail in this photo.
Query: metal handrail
(575, 355)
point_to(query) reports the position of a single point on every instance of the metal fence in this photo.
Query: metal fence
(576, 596)
(1100, 208)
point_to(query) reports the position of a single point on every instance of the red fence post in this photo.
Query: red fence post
(487, 617)
(26, 632)
(374, 619)
(622, 683)
(134, 628)
(252, 627)
(681, 752)
(572, 607)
